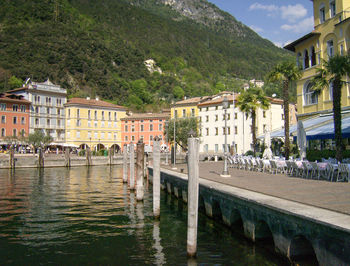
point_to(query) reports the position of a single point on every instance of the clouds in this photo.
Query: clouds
(295, 15)
(256, 29)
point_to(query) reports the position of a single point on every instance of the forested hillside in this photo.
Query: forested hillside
(99, 47)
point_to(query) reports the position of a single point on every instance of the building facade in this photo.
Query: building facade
(144, 127)
(238, 125)
(331, 35)
(47, 111)
(94, 123)
(14, 113)
(187, 107)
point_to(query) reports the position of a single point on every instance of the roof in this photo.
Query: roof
(219, 100)
(191, 101)
(9, 97)
(140, 116)
(93, 103)
(291, 46)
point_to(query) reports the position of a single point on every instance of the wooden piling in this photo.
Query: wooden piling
(41, 158)
(156, 178)
(125, 164)
(67, 157)
(193, 191)
(132, 167)
(12, 158)
(140, 151)
(88, 156)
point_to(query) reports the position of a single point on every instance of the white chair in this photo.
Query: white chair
(307, 171)
(315, 170)
(331, 172)
(343, 172)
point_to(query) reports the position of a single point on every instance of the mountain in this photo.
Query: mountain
(100, 47)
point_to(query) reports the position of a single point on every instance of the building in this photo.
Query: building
(187, 107)
(94, 123)
(144, 127)
(14, 113)
(47, 111)
(331, 35)
(239, 131)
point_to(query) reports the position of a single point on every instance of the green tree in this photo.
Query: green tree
(287, 73)
(15, 82)
(183, 127)
(178, 92)
(249, 102)
(330, 76)
(39, 139)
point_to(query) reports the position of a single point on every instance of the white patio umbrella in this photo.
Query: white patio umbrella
(301, 139)
(267, 152)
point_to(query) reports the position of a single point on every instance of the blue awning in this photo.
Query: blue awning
(327, 131)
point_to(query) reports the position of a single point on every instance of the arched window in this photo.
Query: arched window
(306, 59)
(313, 56)
(299, 61)
(310, 97)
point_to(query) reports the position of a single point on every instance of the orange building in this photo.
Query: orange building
(14, 113)
(144, 126)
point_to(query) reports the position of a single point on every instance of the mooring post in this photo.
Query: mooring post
(156, 178)
(193, 190)
(125, 164)
(67, 157)
(132, 167)
(140, 151)
(41, 158)
(88, 156)
(110, 156)
(12, 158)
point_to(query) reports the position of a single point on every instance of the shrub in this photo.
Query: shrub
(313, 155)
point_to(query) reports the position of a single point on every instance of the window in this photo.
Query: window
(236, 130)
(109, 135)
(15, 120)
(151, 127)
(332, 8)
(216, 147)
(89, 114)
(160, 127)
(228, 117)
(15, 107)
(37, 121)
(306, 59)
(175, 113)
(23, 108)
(126, 128)
(142, 127)
(151, 138)
(223, 131)
(3, 119)
(192, 112)
(207, 131)
(48, 122)
(58, 122)
(330, 48)
(95, 123)
(206, 148)
(48, 111)
(341, 49)
(58, 111)
(68, 112)
(78, 134)
(184, 113)
(102, 135)
(95, 115)
(78, 123)
(207, 118)
(331, 91)
(68, 134)
(236, 115)
(115, 135)
(264, 114)
(109, 116)
(3, 132)
(14, 132)
(132, 138)
(299, 63)
(310, 97)
(216, 117)
(89, 134)
(23, 120)
(322, 14)
(264, 128)
(216, 107)
(216, 131)
(126, 138)
(228, 131)
(115, 116)
(78, 112)
(22, 133)
(95, 135)
(313, 56)
(132, 128)
(102, 124)
(3, 106)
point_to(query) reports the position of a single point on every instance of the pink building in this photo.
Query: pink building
(145, 126)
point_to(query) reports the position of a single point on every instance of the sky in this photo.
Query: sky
(280, 21)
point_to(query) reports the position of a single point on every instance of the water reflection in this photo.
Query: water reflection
(86, 215)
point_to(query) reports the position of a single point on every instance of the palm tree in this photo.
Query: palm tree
(287, 73)
(249, 102)
(331, 73)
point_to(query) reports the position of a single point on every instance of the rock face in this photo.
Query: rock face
(152, 66)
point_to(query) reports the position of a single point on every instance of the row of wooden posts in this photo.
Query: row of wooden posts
(193, 183)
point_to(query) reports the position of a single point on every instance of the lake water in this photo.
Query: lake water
(87, 216)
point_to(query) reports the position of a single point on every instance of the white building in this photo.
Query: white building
(212, 119)
(47, 112)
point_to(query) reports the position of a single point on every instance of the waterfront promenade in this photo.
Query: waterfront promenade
(323, 194)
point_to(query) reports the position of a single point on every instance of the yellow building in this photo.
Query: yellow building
(186, 108)
(330, 36)
(93, 123)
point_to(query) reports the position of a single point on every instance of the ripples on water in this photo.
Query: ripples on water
(87, 216)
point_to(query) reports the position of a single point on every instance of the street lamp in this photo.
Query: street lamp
(166, 150)
(225, 106)
(174, 164)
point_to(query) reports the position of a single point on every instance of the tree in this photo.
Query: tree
(330, 75)
(249, 102)
(287, 73)
(15, 82)
(183, 127)
(39, 139)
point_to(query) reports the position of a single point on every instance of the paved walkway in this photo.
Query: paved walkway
(327, 195)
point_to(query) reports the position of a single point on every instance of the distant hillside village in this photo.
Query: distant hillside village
(84, 122)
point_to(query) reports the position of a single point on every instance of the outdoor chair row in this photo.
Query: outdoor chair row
(304, 169)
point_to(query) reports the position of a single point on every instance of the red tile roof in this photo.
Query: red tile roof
(140, 116)
(93, 103)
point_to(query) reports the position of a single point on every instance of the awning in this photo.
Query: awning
(308, 125)
(327, 131)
